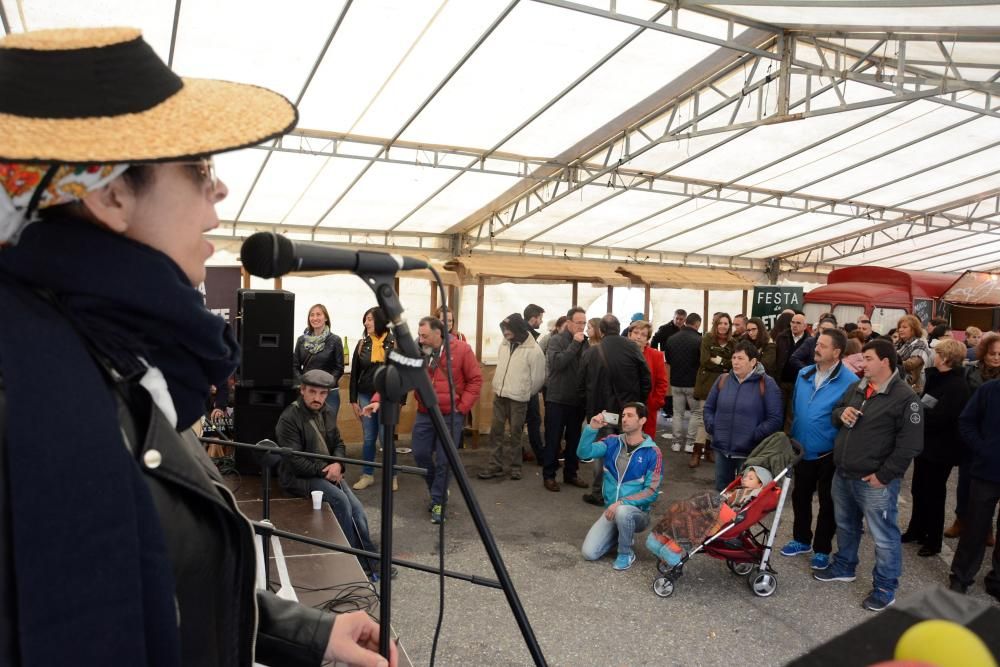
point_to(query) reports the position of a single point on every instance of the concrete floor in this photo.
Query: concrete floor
(585, 613)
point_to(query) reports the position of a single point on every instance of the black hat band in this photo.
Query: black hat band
(122, 78)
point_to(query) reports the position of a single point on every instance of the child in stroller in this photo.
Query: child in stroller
(702, 515)
(728, 526)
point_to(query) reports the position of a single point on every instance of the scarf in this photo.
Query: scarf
(913, 348)
(314, 344)
(378, 348)
(94, 583)
(26, 189)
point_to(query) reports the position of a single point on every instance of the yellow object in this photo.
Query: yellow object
(945, 644)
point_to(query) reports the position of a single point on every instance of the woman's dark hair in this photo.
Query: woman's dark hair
(378, 318)
(326, 315)
(783, 323)
(762, 336)
(985, 342)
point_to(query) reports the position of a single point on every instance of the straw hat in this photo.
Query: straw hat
(102, 95)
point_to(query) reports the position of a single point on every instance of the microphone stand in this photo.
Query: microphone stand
(405, 370)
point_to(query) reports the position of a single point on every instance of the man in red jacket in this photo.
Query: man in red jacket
(427, 447)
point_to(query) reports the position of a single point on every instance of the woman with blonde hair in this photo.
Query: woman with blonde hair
(945, 395)
(913, 351)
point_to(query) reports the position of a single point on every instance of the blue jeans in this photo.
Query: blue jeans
(369, 426)
(350, 514)
(854, 500)
(725, 469)
(428, 452)
(629, 520)
(333, 401)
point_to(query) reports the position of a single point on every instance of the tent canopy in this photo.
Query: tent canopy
(736, 134)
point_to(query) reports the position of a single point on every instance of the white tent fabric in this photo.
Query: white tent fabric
(740, 134)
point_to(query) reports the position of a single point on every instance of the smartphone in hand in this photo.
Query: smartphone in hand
(611, 417)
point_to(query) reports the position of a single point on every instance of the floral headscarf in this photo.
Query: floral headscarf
(20, 198)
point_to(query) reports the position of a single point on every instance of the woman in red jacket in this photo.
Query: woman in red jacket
(640, 331)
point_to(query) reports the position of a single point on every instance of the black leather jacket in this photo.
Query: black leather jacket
(222, 620)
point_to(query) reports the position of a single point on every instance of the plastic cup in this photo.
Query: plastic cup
(317, 497)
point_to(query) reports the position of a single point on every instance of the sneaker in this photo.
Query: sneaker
(689, 448)
(878, 600)
(489, 473)
(676, 447)
(794, 548)
(364, 482)
(437, 514)
(833, 574)
(374, 577)
(667, 436)
(820, 561)
(624, 561)
(515, 474)
(593, 499)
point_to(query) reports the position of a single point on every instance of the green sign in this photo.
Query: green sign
(770, 300)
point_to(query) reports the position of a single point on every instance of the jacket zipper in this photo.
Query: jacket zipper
(621, 475)
(256, 612)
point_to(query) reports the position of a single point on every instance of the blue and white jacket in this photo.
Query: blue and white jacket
(812, 407)
(640, 485)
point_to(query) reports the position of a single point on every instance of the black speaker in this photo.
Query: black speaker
(265, 331)
(255, 414)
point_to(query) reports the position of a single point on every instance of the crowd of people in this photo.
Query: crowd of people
(862, 405)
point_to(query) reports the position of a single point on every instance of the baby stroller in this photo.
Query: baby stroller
(743, 541)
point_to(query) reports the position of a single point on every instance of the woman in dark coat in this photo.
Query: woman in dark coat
(318, 347)
(716, 358)
(370, 353)
(945, 395)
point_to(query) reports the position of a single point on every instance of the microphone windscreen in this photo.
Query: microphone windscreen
(267, 255)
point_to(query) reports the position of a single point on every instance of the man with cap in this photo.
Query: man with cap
(308, 425)
(519, 375)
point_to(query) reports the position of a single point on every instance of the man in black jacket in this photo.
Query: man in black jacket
(533, 315)
(563, 411)
(667, 330)
(659, 341)
(612, 373)
(683, 356)
(881, 431)
(786, 343)
(308, 425)
(980, 428)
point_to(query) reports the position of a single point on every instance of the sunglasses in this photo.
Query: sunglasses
(204, 169)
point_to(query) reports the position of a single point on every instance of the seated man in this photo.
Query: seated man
(633, 467)
(308, 425)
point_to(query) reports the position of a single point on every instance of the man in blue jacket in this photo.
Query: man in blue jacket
(818, 388)
(743, 408)
(980, 428)
(633, 471)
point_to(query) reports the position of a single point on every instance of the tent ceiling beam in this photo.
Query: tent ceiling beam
(625, 255)
(317, 61)
(530, 119)
(893, 232)
(848, 65)
(307, 142)
(871, 188)
(423, 105)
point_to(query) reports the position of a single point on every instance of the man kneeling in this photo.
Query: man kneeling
(633, 467)
(308, 425)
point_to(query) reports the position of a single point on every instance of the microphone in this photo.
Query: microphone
(270, 255)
